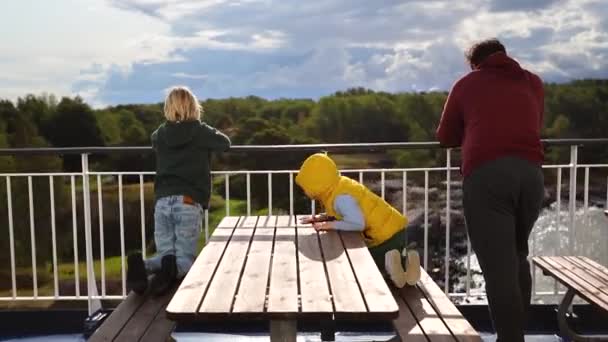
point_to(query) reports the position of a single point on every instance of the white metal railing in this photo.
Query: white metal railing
(84, 178)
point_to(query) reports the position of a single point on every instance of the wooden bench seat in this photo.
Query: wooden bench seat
(427, 314)
(583, 277)
(138, 318)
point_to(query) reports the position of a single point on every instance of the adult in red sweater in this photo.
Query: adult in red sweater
(495, 114)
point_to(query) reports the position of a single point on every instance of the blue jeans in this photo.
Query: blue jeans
(177, 227)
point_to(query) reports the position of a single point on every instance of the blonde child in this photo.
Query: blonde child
(183, 146)
(350, 206)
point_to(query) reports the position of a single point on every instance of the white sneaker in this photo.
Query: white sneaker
(412, 266)
(394, 268)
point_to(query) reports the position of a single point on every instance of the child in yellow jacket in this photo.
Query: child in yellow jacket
(350, 206)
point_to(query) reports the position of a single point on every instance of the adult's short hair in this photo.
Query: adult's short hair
(479, 51)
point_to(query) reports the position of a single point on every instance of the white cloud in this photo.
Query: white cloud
(46, 45)
(121, 50)
(190, 76)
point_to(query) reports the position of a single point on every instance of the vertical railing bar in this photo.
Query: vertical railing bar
(142, 214)
(291, 213)
(447, 221)
(54, 237)
(248, 194)
(75, 237)
(586, 193)
(86, 199)
(269, 193)
(382, 184)
(404, 192)
(426, 220)
(558, 210)
(102, 256)
(313, 208)
(206, 226)
(468, 279)
(32, 235)
(227, 191)
(361, 177)
(11, 236)
(122, 237)
(533, 254)
(572, 198)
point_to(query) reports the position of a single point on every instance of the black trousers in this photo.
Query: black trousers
(502, 201)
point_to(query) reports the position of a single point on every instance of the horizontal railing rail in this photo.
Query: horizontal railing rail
(342, 148)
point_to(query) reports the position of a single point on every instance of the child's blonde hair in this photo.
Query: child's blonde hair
(182, 105)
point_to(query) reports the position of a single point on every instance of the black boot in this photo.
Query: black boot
(137, 280)
(165, 279)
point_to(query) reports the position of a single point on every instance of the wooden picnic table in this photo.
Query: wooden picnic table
(275, 268)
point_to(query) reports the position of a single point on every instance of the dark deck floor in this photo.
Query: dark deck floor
(214, 337)
(18, 326)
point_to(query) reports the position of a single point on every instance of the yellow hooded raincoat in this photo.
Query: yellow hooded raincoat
(320, 180)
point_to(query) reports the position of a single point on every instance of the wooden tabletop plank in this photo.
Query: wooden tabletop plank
(428, 319)
(593, 267)
(574, 275)
(248, 222)
(229, 222)
(580, 281)
(405, 324)
(191, 291)
(377, 294)
(313, 278)
(222, 289)
(344, 288)
(570, 280)
(286, 221)
(595, 264)
(144, 317)
(283, 292)
(251, 296)
(582, 271)
(457, 324)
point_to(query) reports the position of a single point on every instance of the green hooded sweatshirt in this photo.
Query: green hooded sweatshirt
(183, 155)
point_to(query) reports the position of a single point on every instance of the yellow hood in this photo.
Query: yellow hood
(318, 176)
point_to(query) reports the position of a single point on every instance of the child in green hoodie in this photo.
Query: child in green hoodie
(183, 147)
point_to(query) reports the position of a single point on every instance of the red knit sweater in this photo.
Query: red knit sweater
(494, 111)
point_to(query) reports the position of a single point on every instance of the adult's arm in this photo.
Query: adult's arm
(450, 131)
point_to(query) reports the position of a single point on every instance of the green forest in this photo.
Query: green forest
(578, 109)
(574, 110)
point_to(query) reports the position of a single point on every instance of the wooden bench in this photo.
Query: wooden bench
(583, 277)
(427, 314)
(138, 318)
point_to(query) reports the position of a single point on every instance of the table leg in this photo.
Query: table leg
(283, 331)
(563, 324)
(328, 330)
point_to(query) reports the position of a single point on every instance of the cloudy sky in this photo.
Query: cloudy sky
(130, 51)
